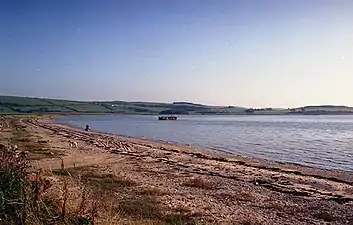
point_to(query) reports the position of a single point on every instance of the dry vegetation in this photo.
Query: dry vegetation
(78, 196)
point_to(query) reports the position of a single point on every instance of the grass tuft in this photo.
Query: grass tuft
(106, 182)
(151, 192)
(240, 196)
(140, 207)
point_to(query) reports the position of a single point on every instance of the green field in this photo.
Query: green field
(26, 105)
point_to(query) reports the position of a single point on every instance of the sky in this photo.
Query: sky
(252, 53)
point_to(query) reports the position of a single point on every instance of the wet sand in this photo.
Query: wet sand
(219, 187)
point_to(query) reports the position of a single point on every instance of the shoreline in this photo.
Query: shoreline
(210, 150)
(219, 187)
(207, 151)
(214, 150)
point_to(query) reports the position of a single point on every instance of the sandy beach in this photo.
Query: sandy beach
(199, 185)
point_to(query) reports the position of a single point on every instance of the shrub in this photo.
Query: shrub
(12, 194)
(20, 192)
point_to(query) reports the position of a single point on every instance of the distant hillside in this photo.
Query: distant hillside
(322, 110)
(24, 105)
(306, 110)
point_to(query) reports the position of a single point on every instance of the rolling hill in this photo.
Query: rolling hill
(27, 105)
(24, 105)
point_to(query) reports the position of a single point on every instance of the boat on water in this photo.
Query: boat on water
(167, 118)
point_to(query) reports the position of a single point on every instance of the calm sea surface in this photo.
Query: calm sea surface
(322, 141)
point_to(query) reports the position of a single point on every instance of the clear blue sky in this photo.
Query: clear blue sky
(253, 53)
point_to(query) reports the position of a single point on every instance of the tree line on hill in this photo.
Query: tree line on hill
(252, 110)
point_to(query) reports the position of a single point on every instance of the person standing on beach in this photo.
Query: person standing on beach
(87, 128)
